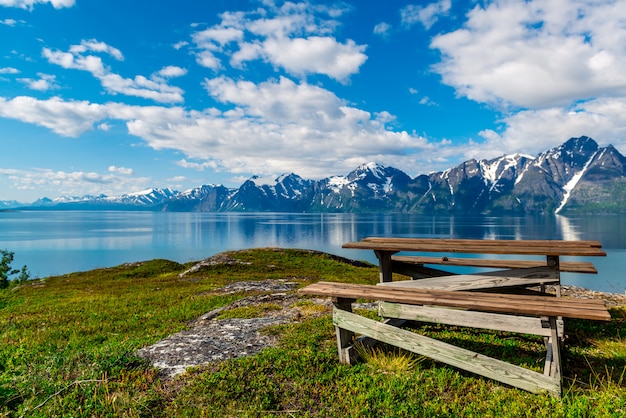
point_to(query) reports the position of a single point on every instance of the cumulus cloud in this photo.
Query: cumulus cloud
(121, 170)
(553, 70)
(9, 70)
(29, 4)
(296, 37)
(536, 54)
(93, 45)
(67, 118)
(155, 87)
(426, 15)
(321, 55)
(45, 82)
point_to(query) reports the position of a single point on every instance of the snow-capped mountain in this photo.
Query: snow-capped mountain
(575, 176)
(142, 200)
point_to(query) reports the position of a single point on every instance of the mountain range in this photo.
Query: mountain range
(577, 176)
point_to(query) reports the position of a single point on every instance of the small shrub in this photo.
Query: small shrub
(392, 361)
(6, 271)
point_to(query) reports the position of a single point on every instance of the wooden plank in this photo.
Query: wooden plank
(449, 354)
(476, 248)
(469, 282)
(448, 316)
(417, 271)
(490, 302)
(489, 242)
(352, 354)
(517, 277)
(566, 266)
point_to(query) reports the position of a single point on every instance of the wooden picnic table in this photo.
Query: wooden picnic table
(515, 273)
(485, 300)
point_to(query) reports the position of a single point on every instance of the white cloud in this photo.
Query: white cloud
(8, 22)
(537, 54)
(382, 29)
(180, 45)
(155, 87)
(93, 45)
(9, 70)
(29, 4)
(172, 71)
(73, 183)
(67, 118)
(121, 170)
(200, 166)
(533, 131)
(426, 15)
(321, 55)
(273, 127)
(296, 37)
(45, 82)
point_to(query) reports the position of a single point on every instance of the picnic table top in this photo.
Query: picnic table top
(471, 246)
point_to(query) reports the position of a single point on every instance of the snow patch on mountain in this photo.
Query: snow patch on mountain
(573, 182)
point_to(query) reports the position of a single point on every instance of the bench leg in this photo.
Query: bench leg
(454, 356)
(553, 348)
(345, 338)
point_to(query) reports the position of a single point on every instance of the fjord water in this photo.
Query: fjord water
(59, 242)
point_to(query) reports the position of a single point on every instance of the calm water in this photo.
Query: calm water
(52, 243)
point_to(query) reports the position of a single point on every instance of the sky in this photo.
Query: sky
(113, 97)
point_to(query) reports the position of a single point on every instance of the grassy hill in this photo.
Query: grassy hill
(68, 348)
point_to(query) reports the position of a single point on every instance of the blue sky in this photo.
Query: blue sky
(118, 96)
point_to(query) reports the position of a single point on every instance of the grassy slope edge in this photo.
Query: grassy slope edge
(67, 344)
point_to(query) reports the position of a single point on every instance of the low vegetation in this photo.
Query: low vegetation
(67, 347)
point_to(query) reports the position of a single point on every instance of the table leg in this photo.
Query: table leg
(384, 261)
(553, 261)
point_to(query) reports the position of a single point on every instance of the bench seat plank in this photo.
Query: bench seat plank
(471, 282)
(455, 356)
(565, 266)
(489, 302)
(488, 280)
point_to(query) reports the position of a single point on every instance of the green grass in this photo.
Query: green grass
(67, 344)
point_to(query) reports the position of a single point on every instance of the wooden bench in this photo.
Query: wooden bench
(565, 266)
(535, 315)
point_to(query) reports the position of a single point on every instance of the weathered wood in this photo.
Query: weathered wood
(553, 358)
(489, 280)
(490, 242)
(416, 271)
(481, 301)
(566, 266)
(384, 261)
(344, 336)
(448, 316)
(352, 353)
(454, 356)
(526, 247)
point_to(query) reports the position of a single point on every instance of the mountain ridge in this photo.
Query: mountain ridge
(576, 176)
